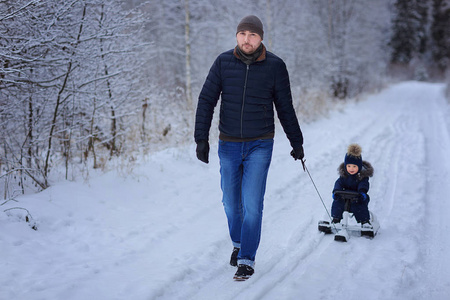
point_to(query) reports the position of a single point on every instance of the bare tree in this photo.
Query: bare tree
(56, 58)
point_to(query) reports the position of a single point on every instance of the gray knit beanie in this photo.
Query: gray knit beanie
(251, 23)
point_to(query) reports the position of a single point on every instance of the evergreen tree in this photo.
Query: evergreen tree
(440, 33)
(409, 30)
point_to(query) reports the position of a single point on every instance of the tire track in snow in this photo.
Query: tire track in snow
(399, 163)
(306, 245)
(294, 259)
(403, 148)
(309, 247)
(435, 244)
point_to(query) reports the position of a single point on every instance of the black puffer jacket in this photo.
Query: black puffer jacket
(248, 94)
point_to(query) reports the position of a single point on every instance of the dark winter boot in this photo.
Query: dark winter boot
(234, 255)
(243, 273)
(367, 229)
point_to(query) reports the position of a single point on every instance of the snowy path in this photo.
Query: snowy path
(161, 233)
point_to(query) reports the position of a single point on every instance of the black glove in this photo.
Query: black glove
(203, 151)
(298, 153)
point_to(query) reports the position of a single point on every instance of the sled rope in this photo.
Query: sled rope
(323, 203)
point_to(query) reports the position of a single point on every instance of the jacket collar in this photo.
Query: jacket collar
(260, 58)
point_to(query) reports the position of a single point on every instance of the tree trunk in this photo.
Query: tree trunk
(188, 54)
(58, 103)
(30, 133)
(113, 148)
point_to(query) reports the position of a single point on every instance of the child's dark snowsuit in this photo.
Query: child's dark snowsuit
(357, 183)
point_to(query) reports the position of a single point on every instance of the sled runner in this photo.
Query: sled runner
(348, 225)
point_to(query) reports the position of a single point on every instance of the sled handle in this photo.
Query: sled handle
(348, 195)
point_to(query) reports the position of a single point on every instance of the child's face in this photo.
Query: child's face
(352, 169)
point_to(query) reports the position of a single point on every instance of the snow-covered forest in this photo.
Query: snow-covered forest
(85, 81)
(103, 197)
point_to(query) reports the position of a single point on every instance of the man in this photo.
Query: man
(250, 81)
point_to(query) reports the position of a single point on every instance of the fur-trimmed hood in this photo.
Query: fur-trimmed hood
(367, 170)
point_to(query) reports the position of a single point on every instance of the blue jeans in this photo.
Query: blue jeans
(243, 168)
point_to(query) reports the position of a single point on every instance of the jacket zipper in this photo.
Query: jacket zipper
(243, 102)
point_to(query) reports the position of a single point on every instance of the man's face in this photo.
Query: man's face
(248, 41)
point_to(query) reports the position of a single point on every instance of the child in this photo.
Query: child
(354, 175)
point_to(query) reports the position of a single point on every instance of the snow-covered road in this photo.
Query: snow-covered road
(161, 232)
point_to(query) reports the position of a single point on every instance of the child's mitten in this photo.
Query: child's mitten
(363, 198)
